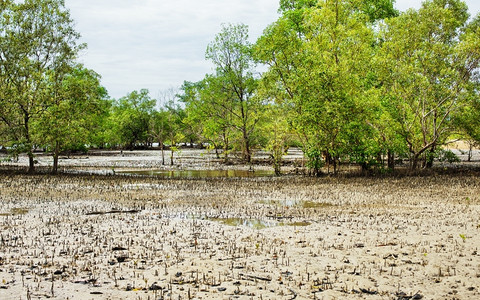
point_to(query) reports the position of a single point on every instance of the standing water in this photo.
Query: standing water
(199, 173)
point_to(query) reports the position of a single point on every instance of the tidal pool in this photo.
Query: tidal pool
(199, 173)
(256, 223)
(252, 223)
(298, 203)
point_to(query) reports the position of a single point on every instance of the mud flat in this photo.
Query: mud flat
(124, 237)
(109, 162)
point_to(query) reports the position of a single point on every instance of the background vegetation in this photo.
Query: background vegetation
(346, 80)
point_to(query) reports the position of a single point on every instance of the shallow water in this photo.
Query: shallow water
(199, 173)
(256, 223)
(298, 203)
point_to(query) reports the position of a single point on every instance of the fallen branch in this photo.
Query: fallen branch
(254, 277)
(294, 295)
(93, 213)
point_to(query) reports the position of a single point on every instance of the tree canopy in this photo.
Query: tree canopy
(348, 81)
(38, 47)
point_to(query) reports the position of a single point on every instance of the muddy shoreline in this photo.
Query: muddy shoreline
(91, 233)
(119, 237)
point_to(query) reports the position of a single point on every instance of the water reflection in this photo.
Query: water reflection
(298, 203)
(256, 223)
(199, 173)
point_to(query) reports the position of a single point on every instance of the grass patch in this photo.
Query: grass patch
(297, 224)
(15, 212)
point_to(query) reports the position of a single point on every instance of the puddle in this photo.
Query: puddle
(255, 223)
(298, 203)
(199, 173)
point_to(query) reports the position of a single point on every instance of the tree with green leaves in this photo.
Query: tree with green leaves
(160, 126)
(131, 118)
(175, 116)
(467, 118)
(210, 104)
(76, 101)
(278, 135)
(37, 38)
(318, 56)
(467, 123)
(435, 57)
(159, 129)
(99, 135)
(191, 128)
(231, 54)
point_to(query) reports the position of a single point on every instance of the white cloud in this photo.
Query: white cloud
(157, 44)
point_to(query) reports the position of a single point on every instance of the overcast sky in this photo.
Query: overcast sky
(157, 44)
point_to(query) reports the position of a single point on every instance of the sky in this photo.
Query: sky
(159, 44)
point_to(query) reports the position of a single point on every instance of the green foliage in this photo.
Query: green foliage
(447, 156)
(75, 104)
(315, 161)
(131, 119)
(277, 135)
(176, 125)
(233, 87)
(289, 5)
(319, 68)
(37, 42)
(467, 120)
(159, 126)
(436, 56)
(320, 56)
(379, 9)
(347, 80)
(209, 109)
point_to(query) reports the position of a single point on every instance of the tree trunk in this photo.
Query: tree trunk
(247, 156)
(171, 155)
(278, 170)
(31, 163)
(414, 161)
(470, 151)
(225, 152)
(380, 159)
(390, 160)
(163, 153)
(328, 160)
(56, 153)
(430, 157)
(277, 160)
(365, 167)
(277, 166)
